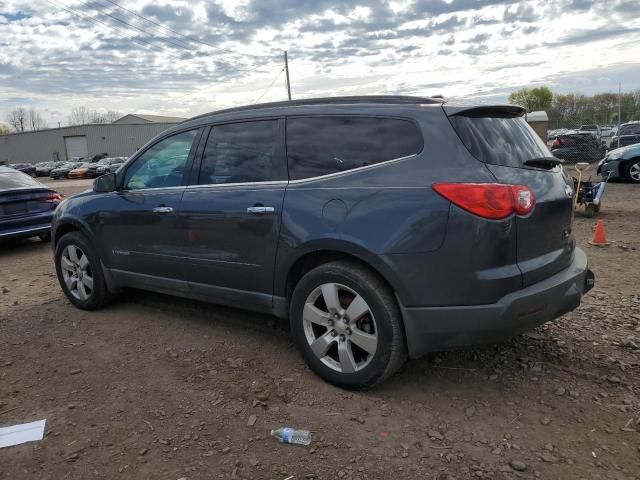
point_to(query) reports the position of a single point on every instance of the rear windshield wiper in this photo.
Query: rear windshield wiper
(543, 162)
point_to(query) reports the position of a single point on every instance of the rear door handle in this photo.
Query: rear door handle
(260, 210)
(163, 210)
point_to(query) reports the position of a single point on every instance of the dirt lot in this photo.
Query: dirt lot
(160, 388)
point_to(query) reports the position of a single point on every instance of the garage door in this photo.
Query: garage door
(76, 146)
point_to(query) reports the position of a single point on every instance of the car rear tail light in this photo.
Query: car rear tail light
(494, 201)
(52, 198)
(555, 143)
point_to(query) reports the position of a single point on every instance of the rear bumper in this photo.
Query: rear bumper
(29, 226)
(441, 328)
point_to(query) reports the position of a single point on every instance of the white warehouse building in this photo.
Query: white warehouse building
(118, 139)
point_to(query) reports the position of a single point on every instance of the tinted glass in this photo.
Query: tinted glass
(162, 165)
(633, 129)
(17, 180)
(243, 152)
(322, 145)
(575, 140)
(499, 140)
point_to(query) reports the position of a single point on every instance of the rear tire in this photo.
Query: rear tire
(347, 325)
(80, 272)
(632, 170)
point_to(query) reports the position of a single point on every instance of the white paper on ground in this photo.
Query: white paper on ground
(23, 433)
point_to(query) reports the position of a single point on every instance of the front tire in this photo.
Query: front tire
(347, 325)
(632, 170)
(80, 272)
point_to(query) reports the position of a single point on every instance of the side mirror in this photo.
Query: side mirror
(105, 183)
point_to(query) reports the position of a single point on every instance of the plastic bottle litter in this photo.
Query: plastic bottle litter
(290, 435)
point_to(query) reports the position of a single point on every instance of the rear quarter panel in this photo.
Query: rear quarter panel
(389, 216)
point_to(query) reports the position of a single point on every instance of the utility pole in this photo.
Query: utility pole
(286, 68)
(619, 103)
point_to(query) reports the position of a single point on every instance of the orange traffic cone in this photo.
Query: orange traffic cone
(599, 237)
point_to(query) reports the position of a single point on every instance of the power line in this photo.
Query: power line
(117, 31)
(269, 87)
(125, 34)
(188, 37)
(182, 44)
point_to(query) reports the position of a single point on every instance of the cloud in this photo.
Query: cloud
(523, 12)
(586, 36)
(229, 50)
(475, 50)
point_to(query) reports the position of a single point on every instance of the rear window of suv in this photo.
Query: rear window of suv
(499, 139)
(322, 145)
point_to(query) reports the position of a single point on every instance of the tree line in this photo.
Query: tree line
(22, 119)
(574, 109)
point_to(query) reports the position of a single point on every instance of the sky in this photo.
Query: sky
(183, 58)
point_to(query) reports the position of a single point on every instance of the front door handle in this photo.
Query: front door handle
(260, 210)
(163, 210)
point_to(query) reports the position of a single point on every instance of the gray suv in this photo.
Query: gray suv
(381, 227)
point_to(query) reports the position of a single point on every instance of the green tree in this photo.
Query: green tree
(533, 99)
(3, 129)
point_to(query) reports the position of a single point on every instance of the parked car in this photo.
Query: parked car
(27, 168)
(606, 130)
(43, 169)
(93, 158)
(106, 165)
(578, 146)
(80, 171)
(63, 170)
(382, 227)
(627, 134)
(551, 134)
(593, 129)
(26, 205)
(623, 162)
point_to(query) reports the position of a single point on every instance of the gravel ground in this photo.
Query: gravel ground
(160, 388)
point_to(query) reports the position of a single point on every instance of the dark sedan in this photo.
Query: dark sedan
(44, 169)
(26, 206)
(106, 165)
(63, 170)
(573, 147)
(27, 168)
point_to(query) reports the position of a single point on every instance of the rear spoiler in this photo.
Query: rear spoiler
(483, 110)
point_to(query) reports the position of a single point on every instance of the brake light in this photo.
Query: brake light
(494, 201)
(555, 143)
(52, 198)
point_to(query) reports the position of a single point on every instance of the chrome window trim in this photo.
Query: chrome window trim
(358, 169)
(305, 180)
(266, 183)
(154, 189)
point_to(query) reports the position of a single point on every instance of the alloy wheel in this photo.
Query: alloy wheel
(634, 171)
(340, 327)
(76, 272)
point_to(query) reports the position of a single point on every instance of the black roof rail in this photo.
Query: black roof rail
(389, 99)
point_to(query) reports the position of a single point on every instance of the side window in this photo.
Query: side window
(162, 165)
(243, 152)
(322, 145)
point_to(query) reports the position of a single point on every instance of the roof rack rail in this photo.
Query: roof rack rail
(390, 99)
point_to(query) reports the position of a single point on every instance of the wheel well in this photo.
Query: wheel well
(314, 259)
(63, 230)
